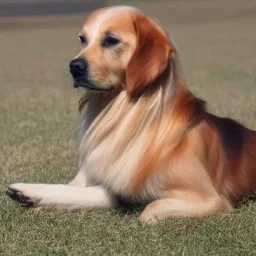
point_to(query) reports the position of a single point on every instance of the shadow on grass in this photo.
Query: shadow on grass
(246, 201)
(129, 207)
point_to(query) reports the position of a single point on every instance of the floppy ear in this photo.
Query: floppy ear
(150, 57)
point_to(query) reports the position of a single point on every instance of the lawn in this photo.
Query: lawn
(38, 120)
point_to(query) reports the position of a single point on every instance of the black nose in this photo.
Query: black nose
(78, 66)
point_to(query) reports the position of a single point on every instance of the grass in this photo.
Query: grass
(38, 117)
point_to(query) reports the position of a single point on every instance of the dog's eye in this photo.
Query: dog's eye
(110, 41)
(82, 40)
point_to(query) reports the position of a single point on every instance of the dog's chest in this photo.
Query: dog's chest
(118, 172)
(114, 169)
(116, 145)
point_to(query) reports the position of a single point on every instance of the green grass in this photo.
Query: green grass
(38, 117)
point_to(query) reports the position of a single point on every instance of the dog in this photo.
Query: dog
(144, 136)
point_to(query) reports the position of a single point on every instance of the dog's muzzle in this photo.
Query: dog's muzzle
(79, 70)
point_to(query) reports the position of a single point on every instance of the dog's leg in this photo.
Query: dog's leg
(81, 179)
(183, 207)
(62, 197)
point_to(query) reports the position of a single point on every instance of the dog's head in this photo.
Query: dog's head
(121, 48)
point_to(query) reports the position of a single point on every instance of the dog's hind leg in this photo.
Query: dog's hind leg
(63, 197)
(192, 207)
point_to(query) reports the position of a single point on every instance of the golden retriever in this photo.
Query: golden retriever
(144, 135)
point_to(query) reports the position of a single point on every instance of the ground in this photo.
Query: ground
(38, 120)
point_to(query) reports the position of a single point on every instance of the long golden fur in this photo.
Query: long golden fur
(144, 135)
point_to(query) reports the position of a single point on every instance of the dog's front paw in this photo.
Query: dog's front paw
(23, 194)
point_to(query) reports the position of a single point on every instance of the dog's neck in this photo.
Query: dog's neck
(149, 126)
(95, 104)
(158, 108)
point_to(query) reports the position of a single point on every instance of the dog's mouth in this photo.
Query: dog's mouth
(82, 82)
